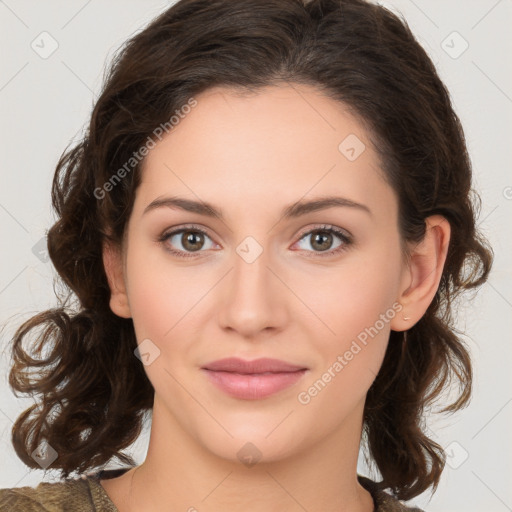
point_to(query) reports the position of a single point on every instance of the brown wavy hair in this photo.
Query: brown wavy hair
(91, 391)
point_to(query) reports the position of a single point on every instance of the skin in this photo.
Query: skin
(252, 155)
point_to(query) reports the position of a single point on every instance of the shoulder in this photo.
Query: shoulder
(384, 502)
(48, 496)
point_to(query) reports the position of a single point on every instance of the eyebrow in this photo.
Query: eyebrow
(294, 210)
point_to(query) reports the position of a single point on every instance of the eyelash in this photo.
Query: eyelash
(344, 237)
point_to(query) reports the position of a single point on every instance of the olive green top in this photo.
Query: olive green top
(86, 494)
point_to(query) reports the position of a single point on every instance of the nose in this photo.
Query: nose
(253, 295)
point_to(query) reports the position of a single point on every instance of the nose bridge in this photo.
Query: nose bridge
(250, 267)
(251, 277)
(252, 299)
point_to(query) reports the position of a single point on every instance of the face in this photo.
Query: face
(313, 287)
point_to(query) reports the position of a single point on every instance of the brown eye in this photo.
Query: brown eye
(185, 242)
(192, 240)
(323, 240)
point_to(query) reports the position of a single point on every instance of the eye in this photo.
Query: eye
(191, 239)
(322, 237)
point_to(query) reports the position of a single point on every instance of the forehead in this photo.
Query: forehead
(278, 143)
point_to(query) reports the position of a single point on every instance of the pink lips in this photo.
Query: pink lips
(252, 380)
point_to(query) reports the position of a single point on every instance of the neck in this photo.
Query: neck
(179, 474)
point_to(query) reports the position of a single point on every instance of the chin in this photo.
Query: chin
(255, 440)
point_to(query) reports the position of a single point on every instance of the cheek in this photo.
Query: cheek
(358, 310)
(356, 304)
(353, 296)
(162, 308)
(151, 306)
(160, 295)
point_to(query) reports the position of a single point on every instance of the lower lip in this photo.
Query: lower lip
(253, 386)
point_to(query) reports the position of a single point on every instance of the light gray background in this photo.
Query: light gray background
(45, 103)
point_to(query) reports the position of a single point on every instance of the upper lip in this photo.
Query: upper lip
(263, 365)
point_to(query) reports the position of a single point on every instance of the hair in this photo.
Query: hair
(91, 392)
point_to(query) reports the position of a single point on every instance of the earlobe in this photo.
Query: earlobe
(423, 274)
(113, 264)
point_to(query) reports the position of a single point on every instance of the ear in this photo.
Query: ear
(113, 264)
(423, 273)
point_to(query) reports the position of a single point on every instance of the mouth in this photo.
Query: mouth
(252, 380)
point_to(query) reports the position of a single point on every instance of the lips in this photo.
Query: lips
(252, 380)
(263, 365)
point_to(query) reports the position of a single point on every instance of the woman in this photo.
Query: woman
(265, 227)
